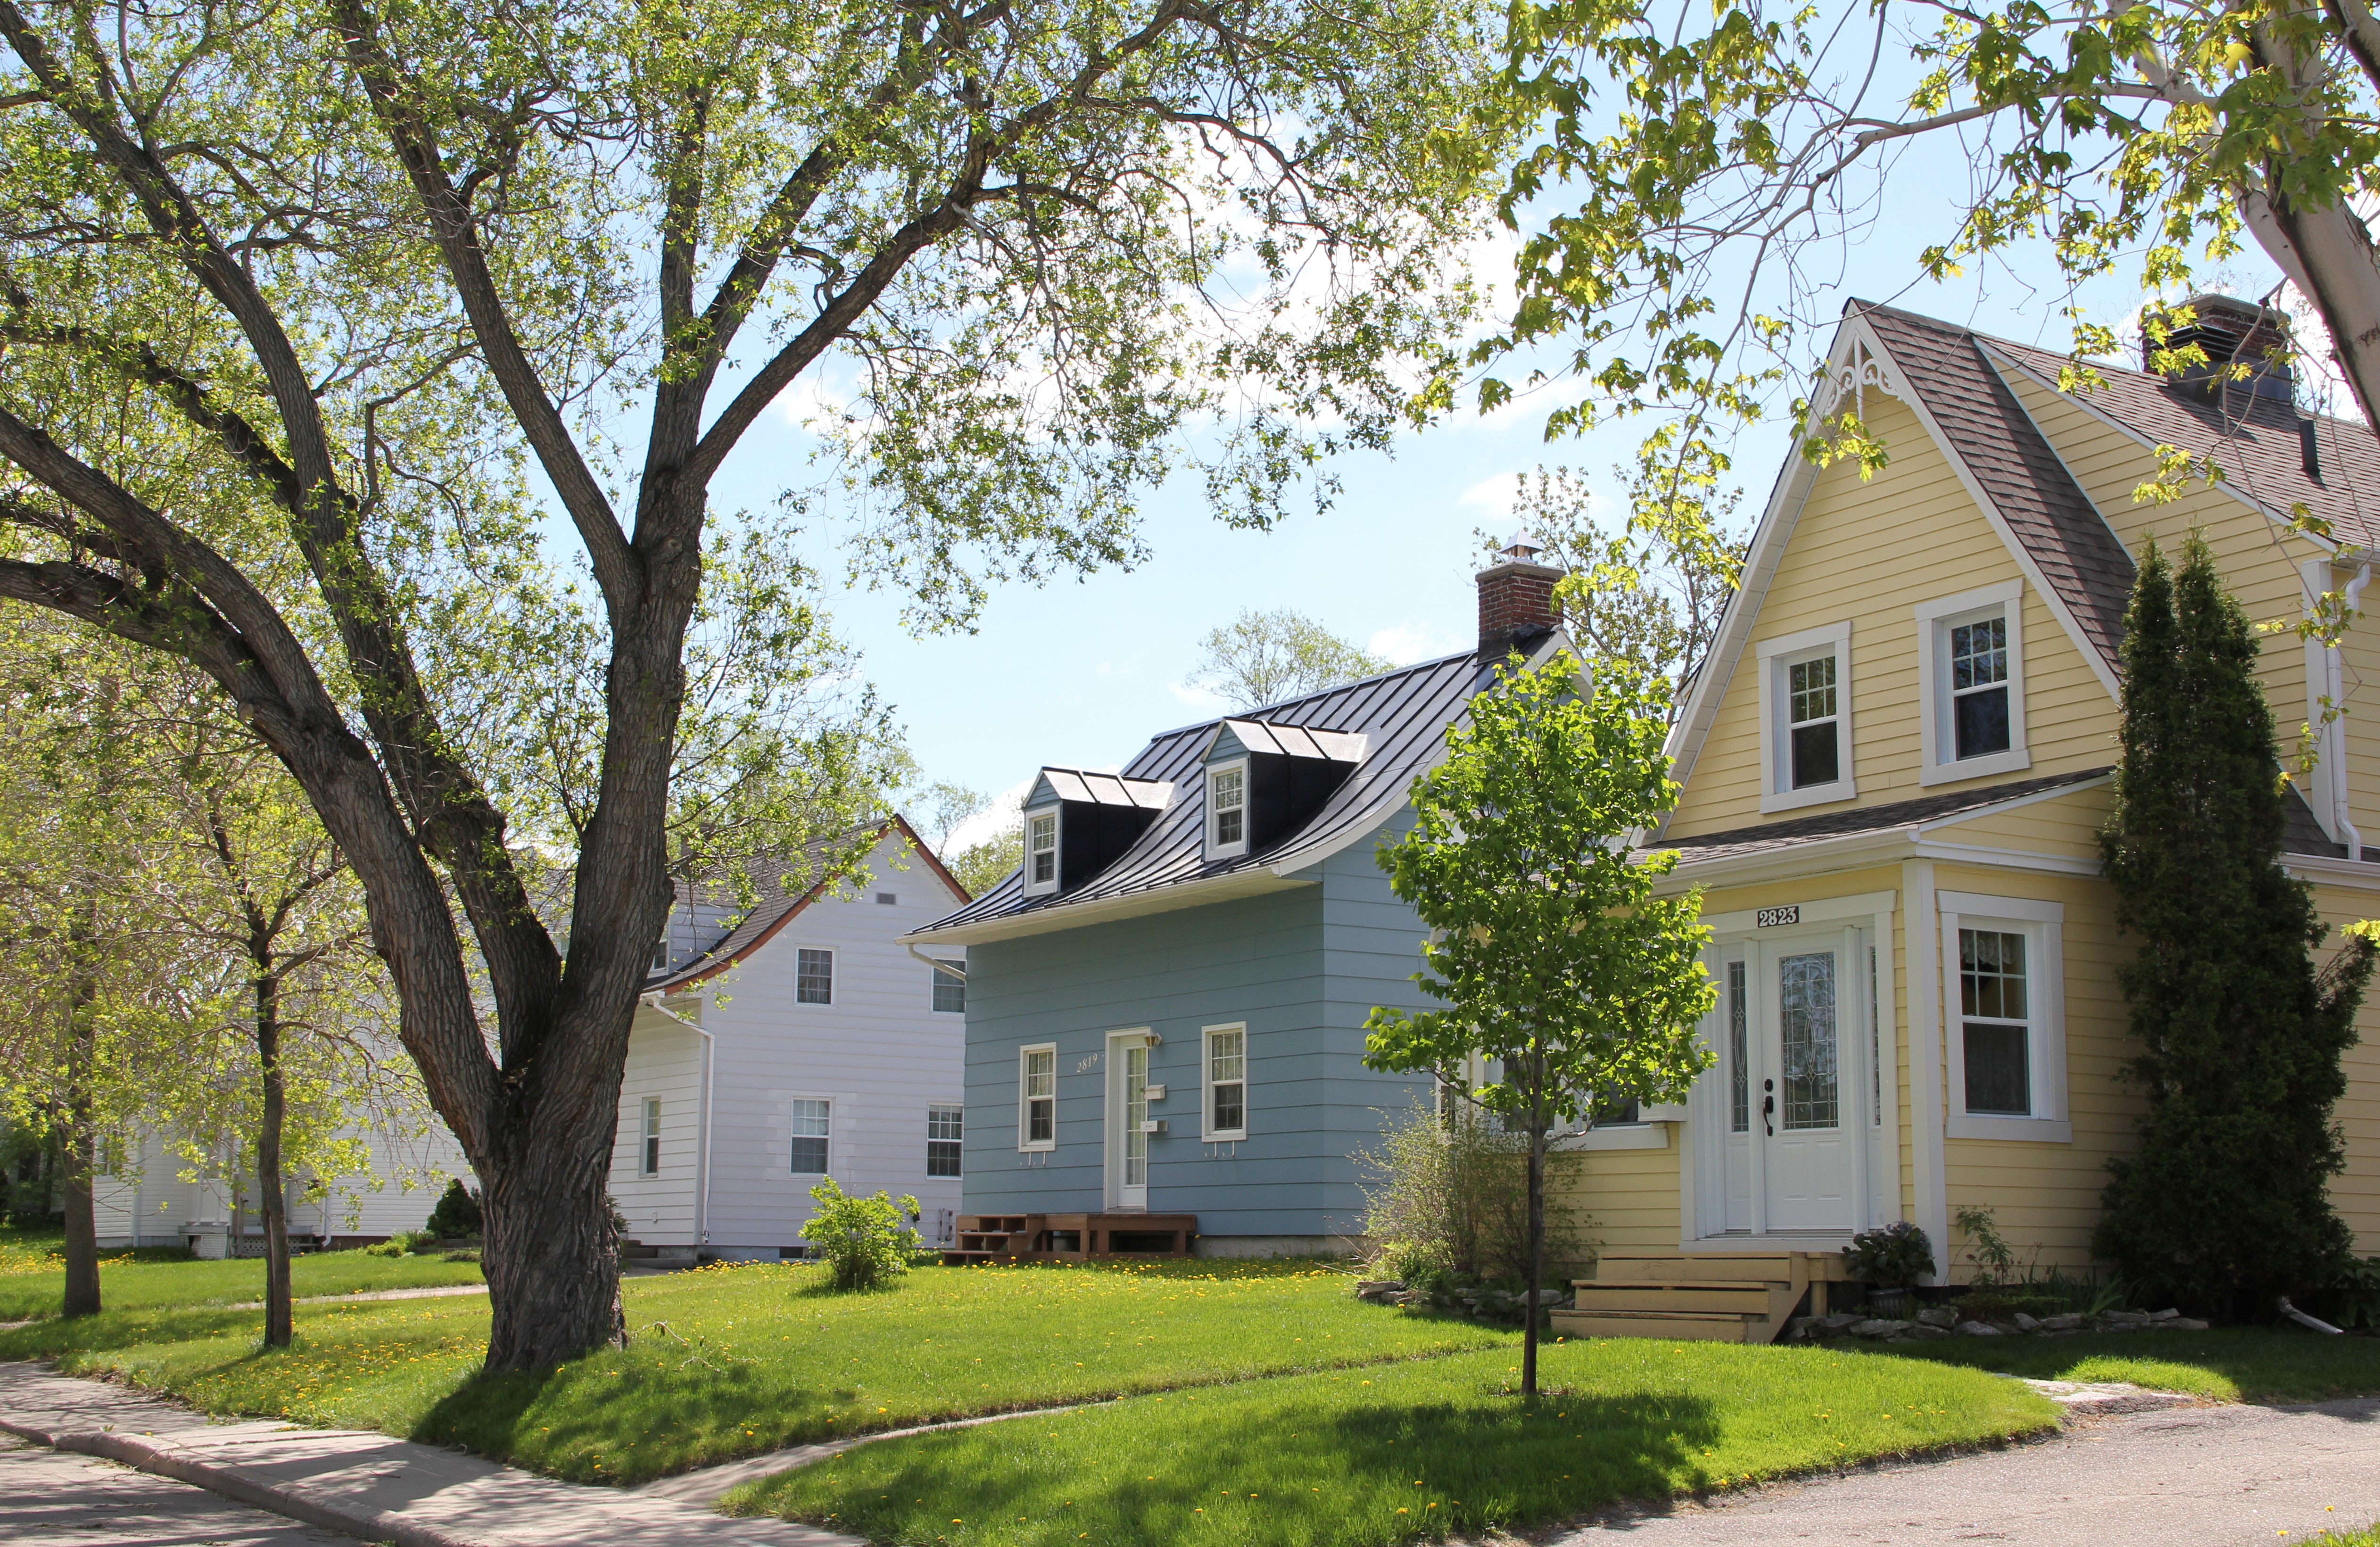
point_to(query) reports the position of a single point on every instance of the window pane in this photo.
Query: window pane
(1805, 1002)
(1615, 1111)
(1041, 1074)
(1043, 842)
(950, 991)
(945, 1122)
(1226, 1056)
(942, 1134)
(1811, 688)
(811, 1122)
(1991, 974)
(1738, 1068)
(1231, 1108)
(1814, 762)
(1999, 1078)
(1978, 654)
(942, 1158)
(1041, 1121)
(1227, 790)
(1981, 720)
(813, 977)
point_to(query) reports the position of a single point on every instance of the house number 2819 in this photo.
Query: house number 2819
(1769, 918)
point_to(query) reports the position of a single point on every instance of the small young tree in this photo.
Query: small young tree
(2226, 1205)
(1555, 959)
(1261, 658)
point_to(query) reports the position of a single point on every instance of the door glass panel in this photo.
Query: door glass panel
(1805, 1000)
(1136, 1117)
(1739, 1066)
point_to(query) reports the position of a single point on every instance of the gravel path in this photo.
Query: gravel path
(2200, 1477)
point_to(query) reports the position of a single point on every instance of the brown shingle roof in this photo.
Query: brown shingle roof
(1706, 848)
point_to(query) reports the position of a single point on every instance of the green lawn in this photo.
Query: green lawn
(32, 1278)
(2368, 1537)
(2233, 1364)
(730, 1361)
(1354, 1458)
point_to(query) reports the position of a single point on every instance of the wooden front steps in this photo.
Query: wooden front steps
(1705, 1297)
(1070, 1237)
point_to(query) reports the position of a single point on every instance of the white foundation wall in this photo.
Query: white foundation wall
(880, 1053)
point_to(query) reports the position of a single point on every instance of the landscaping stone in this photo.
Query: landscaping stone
(1842, 1321)
(1925, 1330)
(1977, 1329)
(2066, 1320)
(2024, 1323)
(2128, 1318)
(1378, 1290)
(2177, 1323)
(2165, 1315)
(1880, 1328)
(1939, 1317)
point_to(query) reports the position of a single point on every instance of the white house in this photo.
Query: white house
(145, 1201)
(799, 1040)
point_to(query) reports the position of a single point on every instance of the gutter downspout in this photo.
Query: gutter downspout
(702, 1123)
(956, 969)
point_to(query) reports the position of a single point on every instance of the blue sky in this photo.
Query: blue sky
(1084, 673)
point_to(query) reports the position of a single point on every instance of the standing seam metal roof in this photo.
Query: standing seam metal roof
(1402, 717)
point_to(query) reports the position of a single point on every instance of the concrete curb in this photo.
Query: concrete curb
(167, 1459)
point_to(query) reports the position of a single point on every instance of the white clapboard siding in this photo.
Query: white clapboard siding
(880, 1054)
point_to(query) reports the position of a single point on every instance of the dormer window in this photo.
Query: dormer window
(1971, 684)
(1040, 852)
(1227, 810)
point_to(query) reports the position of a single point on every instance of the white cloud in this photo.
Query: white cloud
(991, 822)
(1200, 698)
(1414, 640)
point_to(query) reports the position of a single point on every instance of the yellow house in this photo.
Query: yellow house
(1894, 765)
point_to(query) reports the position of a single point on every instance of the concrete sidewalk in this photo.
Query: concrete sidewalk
(362, 1484)
(2200, 1477)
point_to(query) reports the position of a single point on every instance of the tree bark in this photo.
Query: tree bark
(78, 1148)
(1530, 1310)
(270, 1197)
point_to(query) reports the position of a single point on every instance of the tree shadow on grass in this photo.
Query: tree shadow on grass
(1298, 1474)
(2254, 1364)
(114, 1330)
(626, 1416)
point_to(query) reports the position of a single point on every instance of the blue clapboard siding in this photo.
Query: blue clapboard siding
(1301, 968)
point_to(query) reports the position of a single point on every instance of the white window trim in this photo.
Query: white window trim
(1934, 621)
(1208, 1132)
(1777, 793)
(801, 1003)
(2042, 923)
(1057, 850)
(834, 1133)
(1650, 1134)
(1248, 810)
(1024, 1127)
(649, 1132)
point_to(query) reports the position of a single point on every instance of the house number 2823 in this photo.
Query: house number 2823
(1769, 918)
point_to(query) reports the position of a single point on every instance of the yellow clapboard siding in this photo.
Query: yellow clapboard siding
(1851, 555)
(1630, 1196)
(2356, 1192)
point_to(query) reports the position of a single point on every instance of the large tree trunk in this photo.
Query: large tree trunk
(546, 1245)
(1531, 1311)
(270, 1195)
(80, 1143)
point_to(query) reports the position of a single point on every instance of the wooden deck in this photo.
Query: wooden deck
(1070, 1237)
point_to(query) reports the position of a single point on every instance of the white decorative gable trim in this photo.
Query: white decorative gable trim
(1856, 363)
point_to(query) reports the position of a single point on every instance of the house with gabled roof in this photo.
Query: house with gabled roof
(1166, 1001)
(788, 1033)
(1895, 762)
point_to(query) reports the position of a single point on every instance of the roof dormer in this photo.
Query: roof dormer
(1265, 782)
(1078, 823)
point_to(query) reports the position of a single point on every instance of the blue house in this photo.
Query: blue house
(1165, 1003)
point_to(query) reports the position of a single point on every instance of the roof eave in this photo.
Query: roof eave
(1254, 882)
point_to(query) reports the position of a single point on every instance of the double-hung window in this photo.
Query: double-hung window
(1227, 810)
(1226, 1096)
(649, 1149)
(813, 1127)
(1040, 852)
(813, 977)
(950, 991)
(1971, 684)
(2004, 997)
(1036, 1098)
(944, 1128)
(1805, 722)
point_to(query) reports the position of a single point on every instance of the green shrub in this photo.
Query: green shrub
(1992, 1259)
(867, 1241)
(1446, 1202)
(1891, 1256)
(2355, 1293)
(458, 1214)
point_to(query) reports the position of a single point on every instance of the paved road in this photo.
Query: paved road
(2201, 1477)
(50, 1499)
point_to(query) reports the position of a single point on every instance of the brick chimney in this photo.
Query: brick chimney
(1516, 600)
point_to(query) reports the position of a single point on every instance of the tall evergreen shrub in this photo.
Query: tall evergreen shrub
(2225, 1204)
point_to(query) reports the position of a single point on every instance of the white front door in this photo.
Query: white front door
(1785, 1113)
(1128, 1122)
